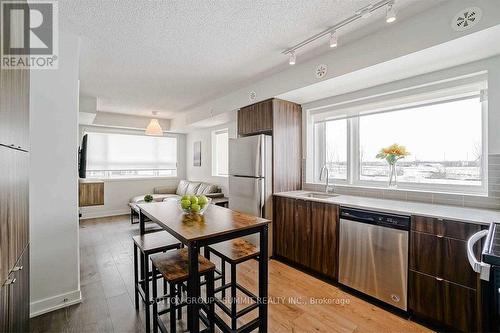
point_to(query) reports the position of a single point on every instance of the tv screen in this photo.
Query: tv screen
(82, 160)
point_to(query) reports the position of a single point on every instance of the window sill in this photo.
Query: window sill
(400, 189)
(221, 176)
(127, 179)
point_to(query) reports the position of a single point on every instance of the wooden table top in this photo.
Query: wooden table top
(216, 221)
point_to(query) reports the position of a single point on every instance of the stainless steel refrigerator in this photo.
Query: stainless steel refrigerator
(250, 176)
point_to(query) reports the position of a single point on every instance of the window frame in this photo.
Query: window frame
(354, 158)
(214, 152)
(107, 173)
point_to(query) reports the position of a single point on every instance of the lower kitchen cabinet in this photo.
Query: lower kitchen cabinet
(324, 238)
(306, 233)
(443, 288)
(443, 302)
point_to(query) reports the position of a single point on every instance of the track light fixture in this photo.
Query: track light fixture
(333, 39)
(391, 13)
(292, 58)
(364, 12)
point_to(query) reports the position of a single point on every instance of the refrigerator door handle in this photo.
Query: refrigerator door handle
(478, 266)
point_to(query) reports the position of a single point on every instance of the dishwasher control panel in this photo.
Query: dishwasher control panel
(377, 218)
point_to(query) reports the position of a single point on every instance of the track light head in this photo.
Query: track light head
(292, 58)
(333, 39)
(390, 17)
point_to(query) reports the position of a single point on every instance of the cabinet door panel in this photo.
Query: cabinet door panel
(324, 240)
(425, 296)
(5, 162)
(302, 234)
(14, 108)
(19, 295)
(459, 307)
(446, 228)
(283, 227)
(256, 118)
(425, 253)
(455, 265)
(4, 304)
(18, 205)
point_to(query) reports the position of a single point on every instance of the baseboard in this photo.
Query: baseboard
(54, 303)
(105, 213)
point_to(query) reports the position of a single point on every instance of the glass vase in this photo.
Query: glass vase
(393, 176)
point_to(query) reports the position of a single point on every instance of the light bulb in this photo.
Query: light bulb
(333, 39)
(391, 13)
(292, 59)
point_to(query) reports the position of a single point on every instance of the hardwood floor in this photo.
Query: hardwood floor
(107, 289)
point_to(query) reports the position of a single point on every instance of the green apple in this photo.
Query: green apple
(194, 199)
(202, 205)
(186, 197)
(185, 204)
(203, 200)
(195, 208)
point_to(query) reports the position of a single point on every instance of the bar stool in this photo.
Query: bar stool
(148, 244)
(234, 252)
(173, 267)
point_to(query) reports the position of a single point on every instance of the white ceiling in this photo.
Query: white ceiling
(140, 56)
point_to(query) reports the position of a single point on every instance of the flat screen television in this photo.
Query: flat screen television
(82, 158)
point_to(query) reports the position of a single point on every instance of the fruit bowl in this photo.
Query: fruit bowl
(192, 204)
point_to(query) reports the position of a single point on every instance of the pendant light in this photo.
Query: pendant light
(154, 127)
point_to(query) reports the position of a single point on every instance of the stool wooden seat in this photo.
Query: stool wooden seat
(234, 252)
(173, 267)
(148, 244)
(156, 242)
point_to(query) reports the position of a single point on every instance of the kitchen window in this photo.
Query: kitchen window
(111, 155)
(445, 136)
(220, 152)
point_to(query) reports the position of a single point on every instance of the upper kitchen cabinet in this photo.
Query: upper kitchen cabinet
(256, 118)
(282, 120)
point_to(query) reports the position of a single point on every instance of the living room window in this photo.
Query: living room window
(220, 152)
(445, 132)
(112, 155)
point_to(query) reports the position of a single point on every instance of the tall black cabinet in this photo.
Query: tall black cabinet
(14, 213)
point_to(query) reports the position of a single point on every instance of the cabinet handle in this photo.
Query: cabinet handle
(439, 236)
(17, 268)
(439, 279)
(10, 281)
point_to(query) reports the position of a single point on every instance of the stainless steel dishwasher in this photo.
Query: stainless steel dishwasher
(373, 254)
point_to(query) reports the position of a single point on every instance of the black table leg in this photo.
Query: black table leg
(263, 279)
(142, 222)
(193, 289)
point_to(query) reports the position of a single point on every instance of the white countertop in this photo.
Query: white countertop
(463, 214)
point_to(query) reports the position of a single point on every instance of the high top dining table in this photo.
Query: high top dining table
(216, 225)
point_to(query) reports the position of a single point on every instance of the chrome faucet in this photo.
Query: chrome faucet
(327, 179)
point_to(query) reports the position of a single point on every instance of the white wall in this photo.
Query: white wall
(204, 172)
(55, 271)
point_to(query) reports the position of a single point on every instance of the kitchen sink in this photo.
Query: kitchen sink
(319, 195)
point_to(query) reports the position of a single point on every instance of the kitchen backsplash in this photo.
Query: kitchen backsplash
(490, 202)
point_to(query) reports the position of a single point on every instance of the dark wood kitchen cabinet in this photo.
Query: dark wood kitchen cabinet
(14, 172)
(443, 288)
(256, 118)
(306, 233)
(282, 120)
